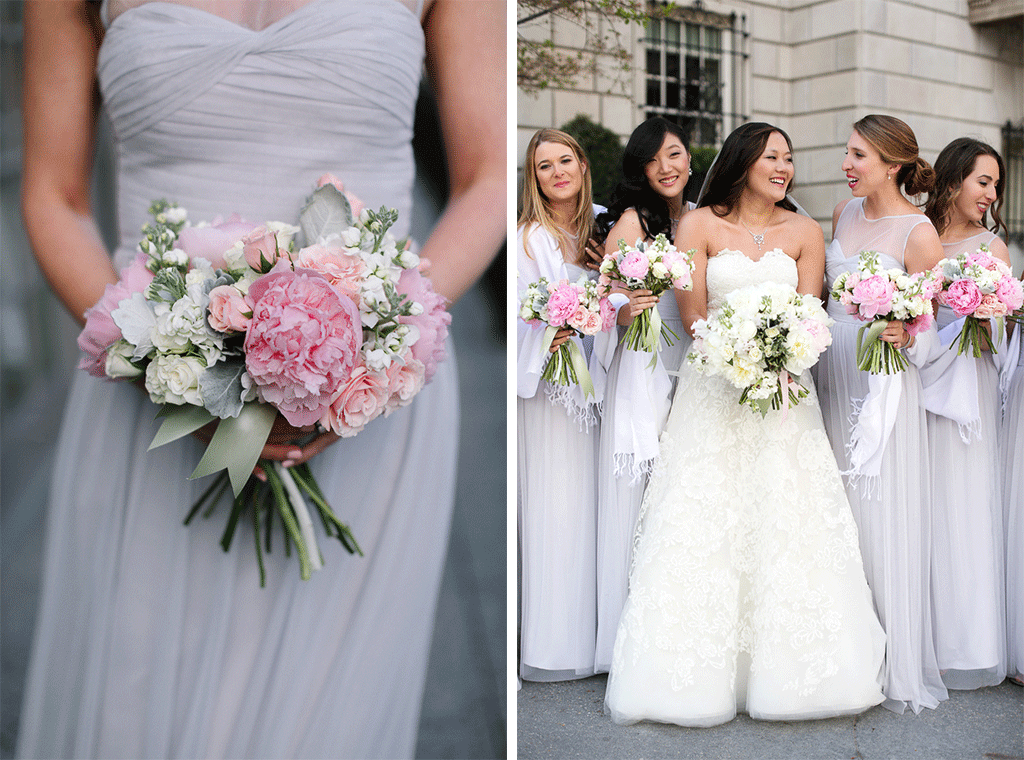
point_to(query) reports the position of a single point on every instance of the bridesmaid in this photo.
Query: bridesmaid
(557, 429)
(648, 201)
(967, 571)
(888, 474)
(1012, 441)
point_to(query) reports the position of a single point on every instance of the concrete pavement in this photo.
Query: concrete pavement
(566, 720)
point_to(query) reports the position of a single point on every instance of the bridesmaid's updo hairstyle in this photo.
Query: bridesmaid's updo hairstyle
(634, 190)
(537, 208)
(728, 174)
(896, 144)
(955, 164)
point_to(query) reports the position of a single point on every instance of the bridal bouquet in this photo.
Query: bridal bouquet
(237, 323)
(576, 305)
(977, 286)
(656, 266)
(877, 295)
(760, 338)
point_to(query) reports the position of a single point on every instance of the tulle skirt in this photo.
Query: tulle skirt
(557, 541)
(893, 517)
(152, 642)
(1013, 516)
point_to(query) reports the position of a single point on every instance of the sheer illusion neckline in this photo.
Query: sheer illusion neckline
(867, 218)
(969, 237)
(751, 259)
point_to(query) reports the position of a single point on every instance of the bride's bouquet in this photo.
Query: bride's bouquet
(877, 295)
(656, 266)
(980, 287)
(759, 339)
(563, 304)
(237, 323)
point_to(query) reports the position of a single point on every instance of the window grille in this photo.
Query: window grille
(693, 70)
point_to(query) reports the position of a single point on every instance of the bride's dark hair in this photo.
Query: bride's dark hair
(955, 164)
(634, 190)
(728, 175)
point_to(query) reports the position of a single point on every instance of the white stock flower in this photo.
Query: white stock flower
(175, 214)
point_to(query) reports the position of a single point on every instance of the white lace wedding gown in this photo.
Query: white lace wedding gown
(747, 591)
(152, 642)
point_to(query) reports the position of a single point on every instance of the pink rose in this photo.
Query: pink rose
(404, 382)
(360, 399)
(1010, 292)
(990, 306)
(635, 264)
(962, 296)
(607, 314)
(356, 204)
(563, 301)
(342, 269)
(228, 310)
(593, 323)
(851, 280)
(919, 324)
(684, 282)
(874, 295)
(212, 241)
(578, 320)
(261, 250)
(100, 332)
(604, 283)
(303, 341)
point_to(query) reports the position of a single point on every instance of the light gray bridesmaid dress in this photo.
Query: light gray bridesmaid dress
(151, 641)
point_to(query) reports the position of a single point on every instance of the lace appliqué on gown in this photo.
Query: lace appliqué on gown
(747, 590)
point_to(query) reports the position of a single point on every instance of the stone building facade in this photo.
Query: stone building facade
(947, 67)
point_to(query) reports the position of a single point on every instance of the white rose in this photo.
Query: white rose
(660, 270)
(119, 363)
(173, 379)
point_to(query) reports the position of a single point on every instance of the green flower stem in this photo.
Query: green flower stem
(288, 519)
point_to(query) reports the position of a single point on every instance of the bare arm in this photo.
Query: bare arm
(693, 233)
(924, 249)
(466, 62)
(810, 263)
(60, 104)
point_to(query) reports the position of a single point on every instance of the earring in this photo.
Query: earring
(689, 172)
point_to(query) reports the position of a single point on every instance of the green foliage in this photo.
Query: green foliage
(604, 152)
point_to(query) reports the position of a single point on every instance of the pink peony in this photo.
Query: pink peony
(261, 250)
(1010, 292)
(607, 314)
(635, 264)
(874, 295)
(432, 323)
(212, 241)
(228, 310)
(563, 301)
(982, 259)
(684, 282)
(990, 306)
(100, 332)
(361, 399)
(356, 204)
(404, 382)
(851, 280)
(303, 342)
(962, 296)
(342, 269)
(919, 324)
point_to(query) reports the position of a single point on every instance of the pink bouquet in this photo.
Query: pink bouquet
(333, 333)
(878, 296)
(980, 287)
(657, 266)
(564, 304)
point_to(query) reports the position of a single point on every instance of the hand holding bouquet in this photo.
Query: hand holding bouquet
(656, 266)
(878, 296)
(236, 323)
(977, 286)
(573, 305)
(762, 336)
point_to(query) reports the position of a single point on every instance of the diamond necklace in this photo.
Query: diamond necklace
(759, 237)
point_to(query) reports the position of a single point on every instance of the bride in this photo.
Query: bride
(747, 591)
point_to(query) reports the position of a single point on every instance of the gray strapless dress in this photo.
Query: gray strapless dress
(151, 641)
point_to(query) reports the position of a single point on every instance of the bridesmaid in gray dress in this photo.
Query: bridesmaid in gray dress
(151, 641)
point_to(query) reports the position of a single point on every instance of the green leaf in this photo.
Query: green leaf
(179, 421)
(237, 444)
(326, 212)
(222, 389)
